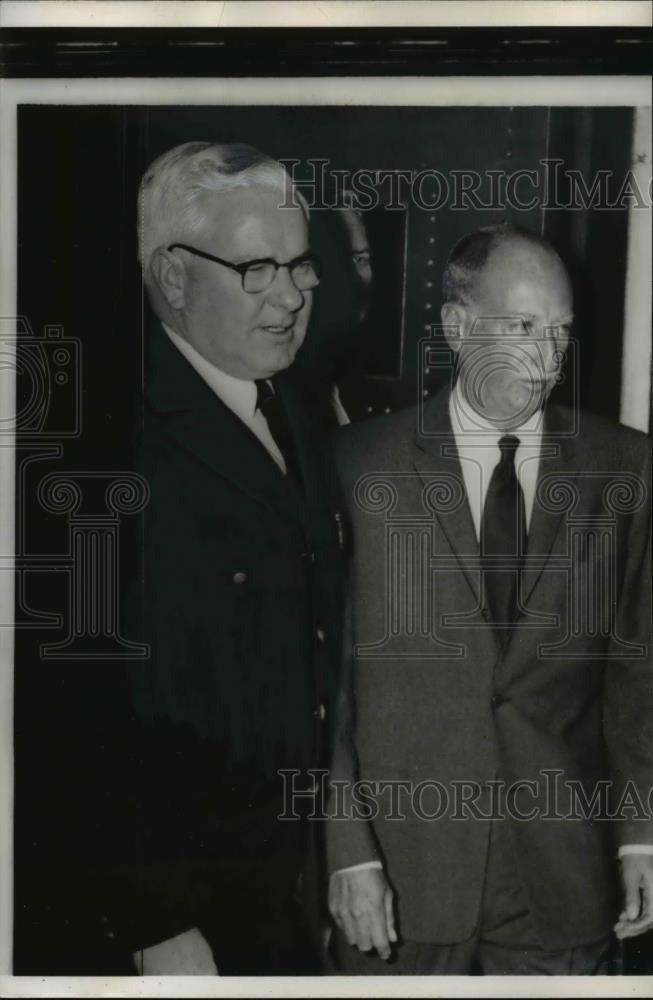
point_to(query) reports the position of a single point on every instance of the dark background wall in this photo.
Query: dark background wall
(79, 169)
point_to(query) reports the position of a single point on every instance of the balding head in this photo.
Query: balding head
(471, 256)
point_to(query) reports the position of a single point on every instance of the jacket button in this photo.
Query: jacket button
(239, 577)
(320, 713)
(497, 700)
(320, 634)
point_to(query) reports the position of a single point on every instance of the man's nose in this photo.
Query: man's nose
(284, 292)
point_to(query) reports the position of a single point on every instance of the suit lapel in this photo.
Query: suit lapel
(191, 413)
(297, 418)
(556, 465)
(436, 456)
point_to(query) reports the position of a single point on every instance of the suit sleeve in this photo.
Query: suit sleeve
(151, 895)
(628, 691)
(349, 841)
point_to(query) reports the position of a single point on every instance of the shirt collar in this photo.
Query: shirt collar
(236, 393)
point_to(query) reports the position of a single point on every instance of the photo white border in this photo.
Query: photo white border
(324, 14)
(387, 92)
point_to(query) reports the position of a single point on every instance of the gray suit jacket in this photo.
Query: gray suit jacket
(561, 712)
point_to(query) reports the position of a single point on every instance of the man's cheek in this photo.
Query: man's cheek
(301, 323)
(305, 311)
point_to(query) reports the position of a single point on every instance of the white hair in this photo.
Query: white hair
(168, 193)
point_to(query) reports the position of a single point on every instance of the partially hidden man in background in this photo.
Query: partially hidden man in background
(501, 615)
(241, 574)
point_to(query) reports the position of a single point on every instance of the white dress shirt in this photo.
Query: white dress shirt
(236, 393)
(477, 442)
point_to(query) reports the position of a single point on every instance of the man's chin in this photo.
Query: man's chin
(518, 406)
(280, 359)
(513, 413)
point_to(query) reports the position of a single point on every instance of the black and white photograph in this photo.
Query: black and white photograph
(326, 525)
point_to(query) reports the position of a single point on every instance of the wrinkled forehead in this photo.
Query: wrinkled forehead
(246, 211)
(518, 275)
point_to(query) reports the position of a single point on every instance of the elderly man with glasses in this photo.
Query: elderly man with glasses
(242, 557)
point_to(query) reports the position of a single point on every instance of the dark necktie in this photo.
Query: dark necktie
(503, 535)
(268, 401)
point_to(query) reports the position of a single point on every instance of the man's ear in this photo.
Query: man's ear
(169, 276)
(454, 321)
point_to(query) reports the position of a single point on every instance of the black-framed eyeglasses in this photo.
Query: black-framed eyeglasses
(258, 275)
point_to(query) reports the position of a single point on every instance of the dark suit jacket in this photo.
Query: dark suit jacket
(439, 699)
(240, 601)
